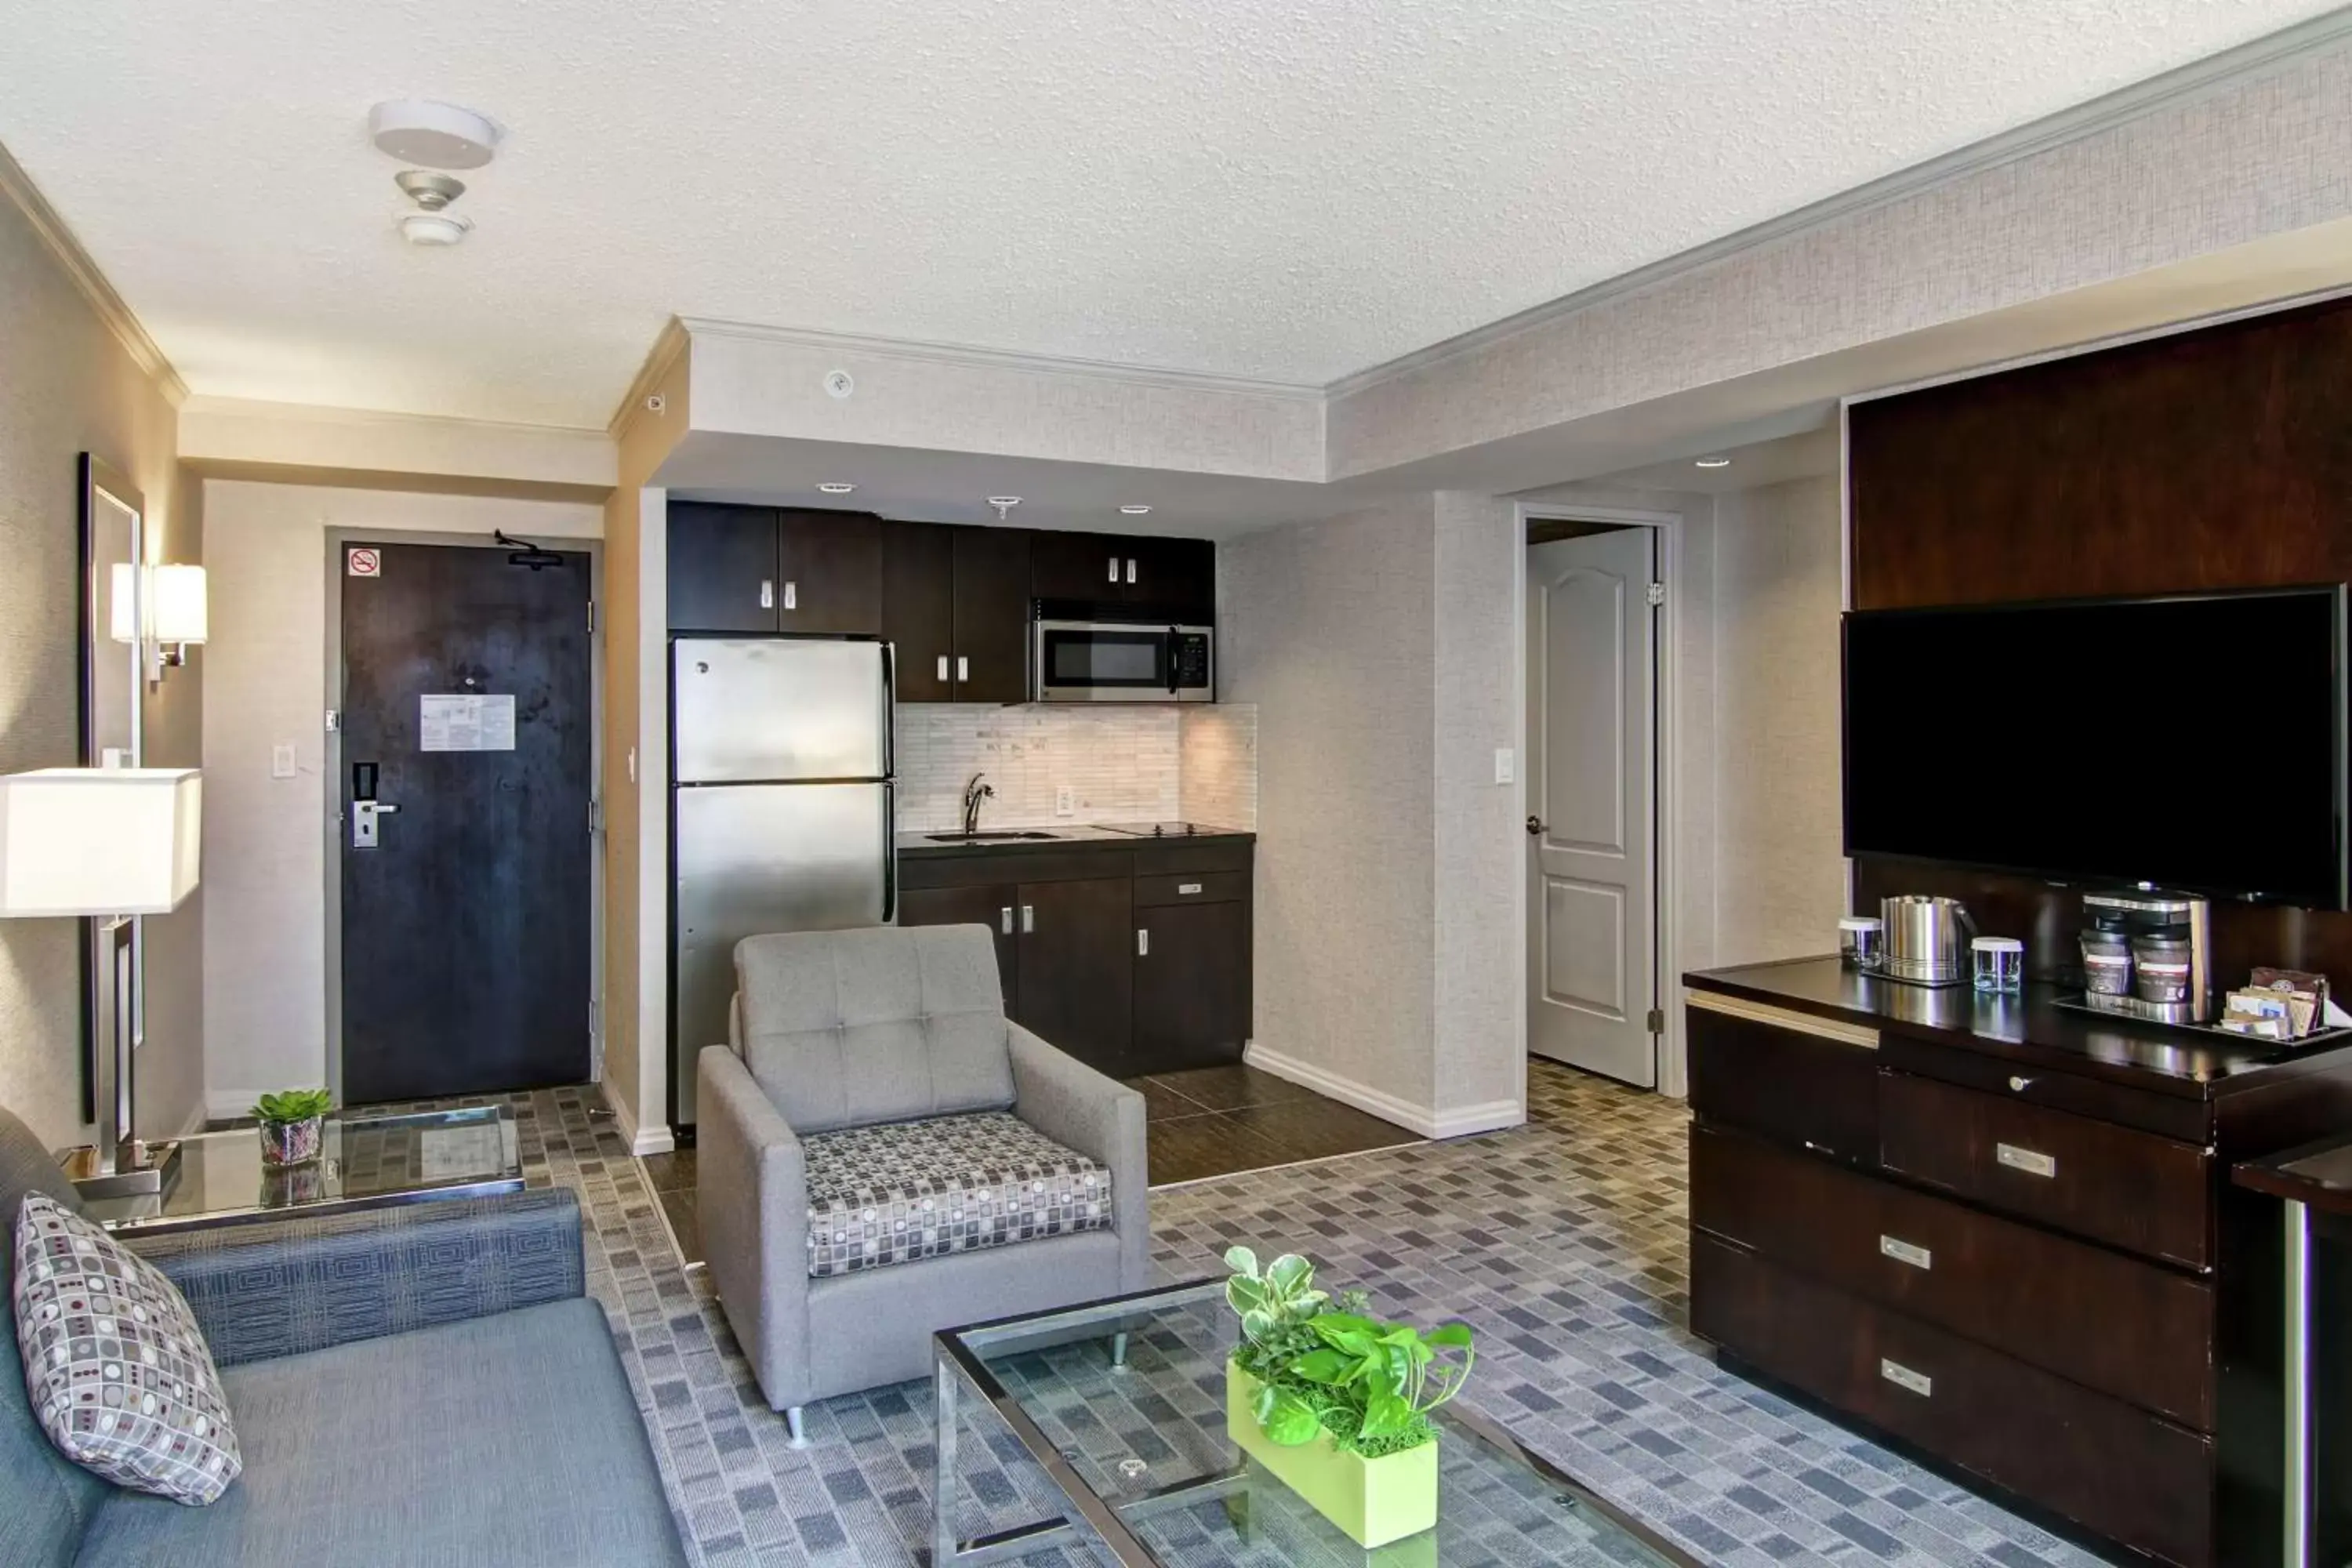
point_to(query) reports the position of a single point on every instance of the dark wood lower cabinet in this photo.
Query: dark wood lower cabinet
(1077, 982)
(993, 907)
(1192, 985)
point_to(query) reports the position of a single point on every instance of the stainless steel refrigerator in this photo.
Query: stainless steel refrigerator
(780, 811)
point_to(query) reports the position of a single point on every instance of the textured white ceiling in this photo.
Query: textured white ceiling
(1288, 189)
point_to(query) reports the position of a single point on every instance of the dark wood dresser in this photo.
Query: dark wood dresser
(2003, 1234)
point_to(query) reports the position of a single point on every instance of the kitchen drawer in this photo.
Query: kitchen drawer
(2134, 1189)
(1198, 887)
(2100, 1462)
(2186, 1118)
(1154, 859)
(1784, 1075)
(2130, 1328)
(982, 864)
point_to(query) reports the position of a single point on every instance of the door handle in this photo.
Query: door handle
(792, 596)
(767, 593)
(1142, 943)
(1028, 917)
(1004, 916)
(943, 666)
(385, 807)
(1537, 826)
(963, 668)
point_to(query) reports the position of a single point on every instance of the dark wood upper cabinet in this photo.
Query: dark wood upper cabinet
(992, 614)
(1178, 576)
(1087, 566)
(829, 572)
(722, 568)
(919, 602)
(1078, 979)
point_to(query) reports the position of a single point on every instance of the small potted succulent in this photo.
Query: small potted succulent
(1335, 1404)
(292, 1123)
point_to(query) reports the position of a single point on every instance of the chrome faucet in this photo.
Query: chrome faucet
(974, 792)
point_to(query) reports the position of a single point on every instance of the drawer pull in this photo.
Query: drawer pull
(1902, 1376)
(1182, 887)
(2019, 1085)
(2031, 1162)
(1906, 1252)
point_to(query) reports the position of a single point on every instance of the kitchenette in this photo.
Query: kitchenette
(878, 721)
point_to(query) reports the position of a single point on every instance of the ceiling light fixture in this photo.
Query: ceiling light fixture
(433, 222)
(835, 488)
(437, 135)
(1003, 505)
(1135, 510)
(1712, 463)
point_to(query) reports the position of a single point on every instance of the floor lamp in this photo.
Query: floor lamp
(112, 843)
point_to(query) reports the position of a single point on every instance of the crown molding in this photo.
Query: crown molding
(848, 344)
(337, 413)
(667, 346)
(2214, 73)
(19, 187)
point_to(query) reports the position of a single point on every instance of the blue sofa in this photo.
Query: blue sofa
(410, 1386)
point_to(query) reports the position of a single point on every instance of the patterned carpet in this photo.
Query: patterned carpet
(1561, 1242)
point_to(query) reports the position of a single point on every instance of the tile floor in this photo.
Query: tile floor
(1561, 1242)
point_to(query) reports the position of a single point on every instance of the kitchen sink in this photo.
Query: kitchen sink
(986, 837)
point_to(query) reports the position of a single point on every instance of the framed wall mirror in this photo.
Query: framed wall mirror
(113, 615)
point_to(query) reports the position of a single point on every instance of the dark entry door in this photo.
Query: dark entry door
(465, 714)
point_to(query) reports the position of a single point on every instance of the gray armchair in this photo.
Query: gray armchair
(882, 1155)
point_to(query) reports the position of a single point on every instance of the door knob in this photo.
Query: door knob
(1535, 826)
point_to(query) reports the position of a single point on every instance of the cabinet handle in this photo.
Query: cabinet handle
(963, 667)
(1114, 568)
(1130, 568)
(1142, 943)
(1902, 1376)
(2032, 1161)
(1004, 916)
(767, 593)
(792, 596)
(1185, 887)
(943, 666)
(2019, 1085)
(1028, 917)
(1902, 1251)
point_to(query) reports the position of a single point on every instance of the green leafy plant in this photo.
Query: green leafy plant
(1327, 1366)
(293, 1105)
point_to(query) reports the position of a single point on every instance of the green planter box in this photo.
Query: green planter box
(1374, 1501)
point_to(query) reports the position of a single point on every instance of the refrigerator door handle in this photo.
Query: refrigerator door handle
(889, 853)
(890, 726)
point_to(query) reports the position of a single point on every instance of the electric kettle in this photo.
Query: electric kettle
(1927, 939)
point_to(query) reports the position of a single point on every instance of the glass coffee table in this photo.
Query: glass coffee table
(365, 1162)
(1138, 1454)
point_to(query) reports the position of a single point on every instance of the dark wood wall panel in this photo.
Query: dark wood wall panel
(2214, 458)
(2217, 458)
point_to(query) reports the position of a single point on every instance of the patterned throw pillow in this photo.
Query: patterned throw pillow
(117, 1370)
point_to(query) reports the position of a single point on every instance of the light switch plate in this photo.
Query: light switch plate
(1506, 765)
(281, 760)
(1065, 801)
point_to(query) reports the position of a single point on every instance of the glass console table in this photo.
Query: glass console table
(365, 1162)
(1148, 1478)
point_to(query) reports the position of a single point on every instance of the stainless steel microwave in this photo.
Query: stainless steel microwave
(1096, 659)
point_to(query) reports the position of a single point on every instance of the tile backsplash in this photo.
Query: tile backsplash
(1122, 764)
(1216, 764)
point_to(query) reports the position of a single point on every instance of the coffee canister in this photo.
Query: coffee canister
(2106, 964)
(1999, 964)
(1862, 943)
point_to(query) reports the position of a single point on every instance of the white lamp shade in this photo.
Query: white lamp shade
(99, 841)
(178, 599)
(123, 603)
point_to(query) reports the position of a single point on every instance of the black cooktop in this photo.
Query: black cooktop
(1162, 829)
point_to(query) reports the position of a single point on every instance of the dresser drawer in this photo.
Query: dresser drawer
(1198, 887)
(2100, 1462)
(1784, 1075)
(2134, 1189)
(2129, 1329)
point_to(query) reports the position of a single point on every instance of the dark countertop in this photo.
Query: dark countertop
(2319, 1174)
(2027, 1029)
(1065, 837)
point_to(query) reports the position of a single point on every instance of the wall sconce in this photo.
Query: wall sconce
(171, 605)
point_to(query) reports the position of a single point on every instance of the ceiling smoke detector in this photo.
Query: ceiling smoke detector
(437, 135)
(835, 488)
(433, 222)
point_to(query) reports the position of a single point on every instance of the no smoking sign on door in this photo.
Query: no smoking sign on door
(362, 562)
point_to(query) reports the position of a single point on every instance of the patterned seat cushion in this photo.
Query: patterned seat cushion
(909, 1190)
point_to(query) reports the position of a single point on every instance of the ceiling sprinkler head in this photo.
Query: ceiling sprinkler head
(430, 190)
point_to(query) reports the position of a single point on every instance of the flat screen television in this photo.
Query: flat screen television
(2194, 742)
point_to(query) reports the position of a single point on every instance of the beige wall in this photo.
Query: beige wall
(1779, 871)
(69, 387)
(1379, 650)
(266, 558)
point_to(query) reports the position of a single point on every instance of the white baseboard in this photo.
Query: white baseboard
(646, 1141)
(1458, 1122)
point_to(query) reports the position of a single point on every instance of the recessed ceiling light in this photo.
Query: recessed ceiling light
(1135, 510)
(1712, 463)
(835, 488)
(1001, 502)
(434, 229)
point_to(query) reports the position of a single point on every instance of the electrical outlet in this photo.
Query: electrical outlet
(281, 760)
(1065, 801)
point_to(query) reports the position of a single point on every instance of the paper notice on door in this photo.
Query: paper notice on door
(465, 724)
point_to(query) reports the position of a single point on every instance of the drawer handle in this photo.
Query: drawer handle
(1906, 1252)
(2019, 1085)
(1902, 1376)
(2030, 1160)
(1182, 887)
(1004, 917)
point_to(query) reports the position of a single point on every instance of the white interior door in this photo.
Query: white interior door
(1591, 791)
